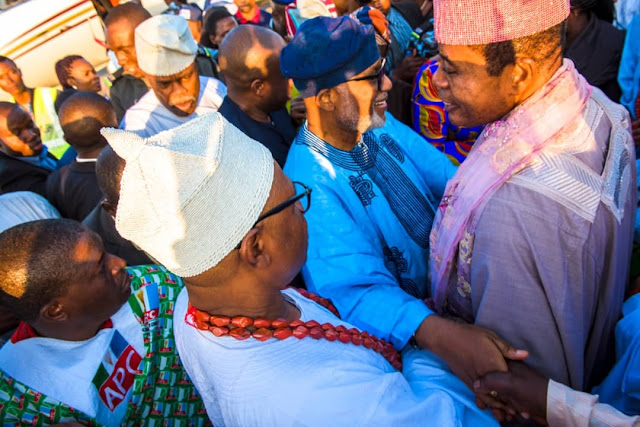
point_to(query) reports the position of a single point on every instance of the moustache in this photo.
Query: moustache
(182, 100)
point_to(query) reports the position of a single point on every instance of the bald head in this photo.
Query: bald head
(82, 116)
(250, 52)
(131, 13)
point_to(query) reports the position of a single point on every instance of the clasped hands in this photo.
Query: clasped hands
(489, 366)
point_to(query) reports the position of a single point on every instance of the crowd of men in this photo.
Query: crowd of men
(300, 218)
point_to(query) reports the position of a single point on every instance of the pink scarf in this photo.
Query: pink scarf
(503, 149)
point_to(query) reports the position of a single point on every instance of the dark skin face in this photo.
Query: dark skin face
(120, 38)
(19, 136)
(472, 97)
(102, 287)
(11, 79)
(247, 7)
(83, 76)
(223, 27)
(178, 92)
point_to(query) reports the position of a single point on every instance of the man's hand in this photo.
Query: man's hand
(470, 351)
(408, 68)
(298, 111)
(522, 389)
(635, 132)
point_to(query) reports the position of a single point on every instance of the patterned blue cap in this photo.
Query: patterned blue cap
(326, 52)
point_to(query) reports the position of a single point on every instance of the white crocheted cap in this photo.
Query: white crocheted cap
(189, 195)
(479, 22)
(164, 45)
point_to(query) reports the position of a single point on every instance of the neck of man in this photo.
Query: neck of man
(249, 106)
(67, 333)
(89, 153)
(24, 96)
(241, 296)
(327, 129)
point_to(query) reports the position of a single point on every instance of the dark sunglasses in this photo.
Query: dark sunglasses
(379, 75)
(303, 194)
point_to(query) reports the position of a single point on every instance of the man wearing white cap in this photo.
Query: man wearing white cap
(211, 205)
(166, 54)
(532, 238)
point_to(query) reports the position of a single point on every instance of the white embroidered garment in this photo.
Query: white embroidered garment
(148, 116)
(317, 382)
(68, 370)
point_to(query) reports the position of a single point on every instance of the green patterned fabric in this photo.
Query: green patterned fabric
(163, 394)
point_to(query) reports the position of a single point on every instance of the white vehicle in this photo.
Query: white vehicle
(38, 33)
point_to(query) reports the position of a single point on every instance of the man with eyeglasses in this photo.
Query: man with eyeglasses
(376, 186)
(213, 207)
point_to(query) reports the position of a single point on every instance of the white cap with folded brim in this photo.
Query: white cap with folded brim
(190, 194)
(164, 45)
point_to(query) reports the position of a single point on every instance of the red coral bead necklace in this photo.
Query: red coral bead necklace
(261, 329)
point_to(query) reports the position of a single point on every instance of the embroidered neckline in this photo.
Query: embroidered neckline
(361, 158)
(25, 331)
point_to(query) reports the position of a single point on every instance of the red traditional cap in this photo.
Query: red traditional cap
(478, 22)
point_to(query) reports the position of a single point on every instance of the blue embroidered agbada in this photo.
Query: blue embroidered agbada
(371, 214)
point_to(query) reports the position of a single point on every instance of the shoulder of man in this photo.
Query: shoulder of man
(559, 174)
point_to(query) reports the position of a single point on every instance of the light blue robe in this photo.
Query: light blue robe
(621, 388)
(371, 214)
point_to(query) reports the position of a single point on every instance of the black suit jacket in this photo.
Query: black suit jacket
(103, 224)
(16, 175)
(74, 189)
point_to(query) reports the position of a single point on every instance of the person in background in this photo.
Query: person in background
(595, 47)
(402, 64)
(167, 56)
(130, 84)
(39, 102)
(217, 24)
(206, 58)
(109, 168)
(75, 73)
(399, 96)
(629, 76)
(97, 337)
(257, 92)
(250, 13)
(25, 162)
(74, 189)
(193, 15)
(431, 120)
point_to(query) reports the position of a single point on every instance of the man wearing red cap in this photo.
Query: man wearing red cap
(533, 235)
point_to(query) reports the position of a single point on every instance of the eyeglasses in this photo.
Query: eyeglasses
(379, 75)
(303, 194)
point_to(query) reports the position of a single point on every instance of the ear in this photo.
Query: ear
(54, 311)
(257, 87)
(252, 250)
(524, 73)
(325, 100)
(71, 81)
